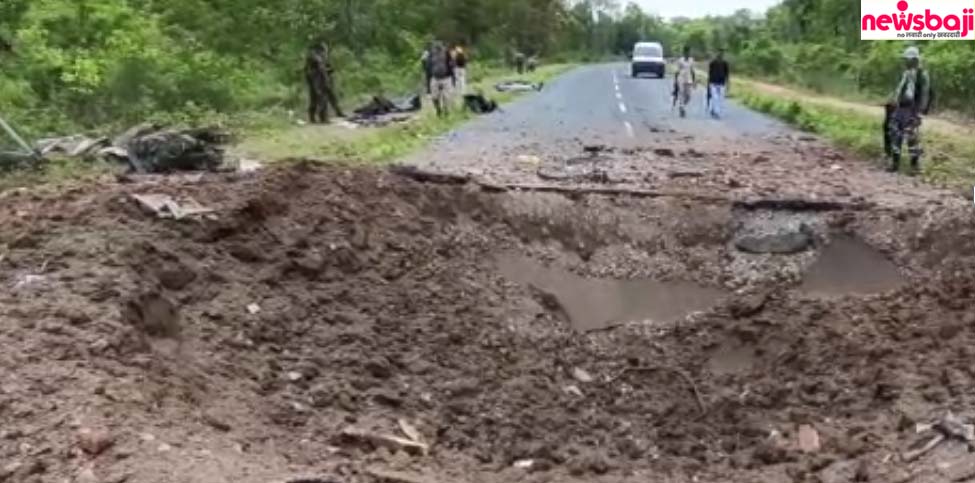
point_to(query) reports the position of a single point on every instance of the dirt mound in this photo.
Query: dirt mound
(351, 325)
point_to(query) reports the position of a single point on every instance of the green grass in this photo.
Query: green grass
(272, 135)
(282, 139)
(949, 159)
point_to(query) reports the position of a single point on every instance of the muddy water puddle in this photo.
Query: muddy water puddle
(848, 266)
(594, 304)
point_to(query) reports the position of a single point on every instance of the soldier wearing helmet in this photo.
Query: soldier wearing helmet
(909, 101)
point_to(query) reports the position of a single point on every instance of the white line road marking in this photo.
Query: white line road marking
(629, 128)
(619, 96)
(616, 80)
(623, 108)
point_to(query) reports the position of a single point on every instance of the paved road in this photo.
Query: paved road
(540, 138)
(598, 104)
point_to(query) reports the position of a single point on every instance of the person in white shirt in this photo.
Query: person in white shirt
(685, 80)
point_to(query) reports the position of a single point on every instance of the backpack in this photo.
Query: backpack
(439, 62)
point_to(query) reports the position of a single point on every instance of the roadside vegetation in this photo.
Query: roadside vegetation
(280, 138)
(949, 150)
(100, 66)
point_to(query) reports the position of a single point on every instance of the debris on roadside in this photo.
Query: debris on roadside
(582, 376)
(777, 239)
(948, 428)
(410, 431)
(518, 86)
(147, 148)
(388, 441)
(478, 104)
(809, 439)
(166, 207)
(380, 111)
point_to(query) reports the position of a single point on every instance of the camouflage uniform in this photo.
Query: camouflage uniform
(321, 93)
(911, 99)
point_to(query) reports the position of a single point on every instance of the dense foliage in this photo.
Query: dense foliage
(816, 44)
(69, 64)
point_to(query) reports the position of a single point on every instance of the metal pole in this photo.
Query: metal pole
(23, 144)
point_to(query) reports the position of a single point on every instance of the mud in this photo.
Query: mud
(848, 266)
(598, 304)
(242, 348)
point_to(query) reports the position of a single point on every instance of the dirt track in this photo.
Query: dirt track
(243, 347)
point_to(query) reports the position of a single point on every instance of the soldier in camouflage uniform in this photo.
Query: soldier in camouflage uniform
(321, 91)
(910, 100)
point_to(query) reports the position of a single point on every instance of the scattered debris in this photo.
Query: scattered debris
(215, 422)
(525, 464)
(390, 442)
(529, 159)
(949, 427)
(294, 376)
(169, 150)
(582, 376)
(253, 309)
(479, 104)
(809, 439)
(93, 441)
(166, 207)
(518, 86)
(380, 105)
(410, 431)
(574, 390)
(665, 152)
(781, 239)
(685, 174)
(147, 148)
(381, 111)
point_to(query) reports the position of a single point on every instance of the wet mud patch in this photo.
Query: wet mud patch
(598, 304)
(849, 266)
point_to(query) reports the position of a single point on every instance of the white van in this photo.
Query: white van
(648, 57)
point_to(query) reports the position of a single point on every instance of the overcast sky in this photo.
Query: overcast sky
(700, 8)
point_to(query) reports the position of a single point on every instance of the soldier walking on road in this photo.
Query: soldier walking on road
(911, 99)
(321, 91)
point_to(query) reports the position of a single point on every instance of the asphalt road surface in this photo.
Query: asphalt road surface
(541, 137)
(599, 104)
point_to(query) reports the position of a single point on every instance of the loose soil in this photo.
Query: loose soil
(240, 348)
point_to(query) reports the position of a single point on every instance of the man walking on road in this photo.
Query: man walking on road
(911, 99)
(321, 91)
(442, 71)
(685, 80)
(718, 76)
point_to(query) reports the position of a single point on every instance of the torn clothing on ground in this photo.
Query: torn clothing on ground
(518, 86)
(479, 104)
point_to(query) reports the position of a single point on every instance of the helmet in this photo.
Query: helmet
(912, 53)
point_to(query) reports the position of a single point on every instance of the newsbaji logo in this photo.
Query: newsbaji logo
(917, 20)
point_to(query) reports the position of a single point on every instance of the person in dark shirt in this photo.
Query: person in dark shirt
(719, 73)
(321, 90)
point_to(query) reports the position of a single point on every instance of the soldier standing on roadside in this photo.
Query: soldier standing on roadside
(321, 91)
(910, 100)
